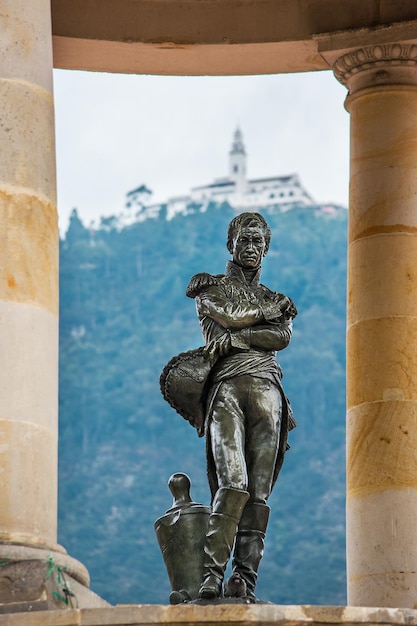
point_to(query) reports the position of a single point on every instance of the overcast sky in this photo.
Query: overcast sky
(116, 132)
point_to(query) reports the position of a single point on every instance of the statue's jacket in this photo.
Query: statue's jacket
(259, 323)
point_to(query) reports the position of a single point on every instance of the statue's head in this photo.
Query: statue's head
(248, 239)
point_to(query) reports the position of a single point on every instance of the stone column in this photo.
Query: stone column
(382, 325)
(28, 309)
(28, 278)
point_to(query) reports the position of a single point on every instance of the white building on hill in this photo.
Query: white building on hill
(276, 192)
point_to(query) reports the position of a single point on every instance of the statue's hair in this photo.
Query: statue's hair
(248, 219)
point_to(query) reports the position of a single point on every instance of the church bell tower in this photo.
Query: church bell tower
(237, 162)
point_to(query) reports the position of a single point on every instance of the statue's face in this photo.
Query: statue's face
(249, 247)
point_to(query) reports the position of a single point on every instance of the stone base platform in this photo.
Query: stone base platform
(215, 615)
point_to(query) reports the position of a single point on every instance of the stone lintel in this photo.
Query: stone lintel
(214, 37)
(210, 615)
(332, 45)
(171, 59)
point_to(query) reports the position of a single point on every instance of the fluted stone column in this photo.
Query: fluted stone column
(382, 325)
(28, 301)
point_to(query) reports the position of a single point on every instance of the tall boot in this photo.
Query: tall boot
(249, 546)
(227, 509)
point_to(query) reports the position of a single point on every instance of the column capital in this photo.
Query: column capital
(380, 64)
(370, 57)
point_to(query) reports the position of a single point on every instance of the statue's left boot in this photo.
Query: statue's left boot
(249, 546)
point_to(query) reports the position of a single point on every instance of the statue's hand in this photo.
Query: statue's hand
(286, 306)
(218, 347)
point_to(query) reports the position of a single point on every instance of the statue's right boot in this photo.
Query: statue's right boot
(227, 509)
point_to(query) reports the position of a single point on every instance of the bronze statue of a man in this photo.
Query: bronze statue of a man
(248, 415)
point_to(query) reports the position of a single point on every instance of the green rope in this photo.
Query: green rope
(60, 580)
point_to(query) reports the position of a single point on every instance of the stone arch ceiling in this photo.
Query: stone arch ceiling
(219, 37)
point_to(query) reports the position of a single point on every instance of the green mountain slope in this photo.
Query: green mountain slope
(124, 314)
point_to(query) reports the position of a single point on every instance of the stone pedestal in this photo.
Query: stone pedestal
(32, 579)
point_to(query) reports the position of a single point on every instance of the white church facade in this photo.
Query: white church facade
(277, 192)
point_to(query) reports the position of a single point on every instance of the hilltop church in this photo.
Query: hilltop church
(277, 192)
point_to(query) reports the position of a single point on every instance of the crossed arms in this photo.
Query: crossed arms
(243, 325)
